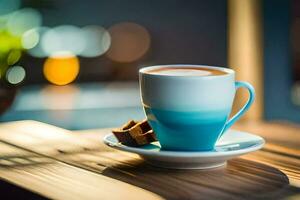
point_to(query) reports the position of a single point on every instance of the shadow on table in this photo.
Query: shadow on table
(240, 179)
(10, 191)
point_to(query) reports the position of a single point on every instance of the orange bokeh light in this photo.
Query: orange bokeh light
(61, 70)
(129, 42)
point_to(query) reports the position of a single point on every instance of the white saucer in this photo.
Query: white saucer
(232, 144)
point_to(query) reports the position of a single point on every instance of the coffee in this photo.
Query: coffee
(186, 71)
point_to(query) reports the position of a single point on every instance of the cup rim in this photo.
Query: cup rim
(227, 71)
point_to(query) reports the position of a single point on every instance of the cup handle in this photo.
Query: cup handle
(239, 84)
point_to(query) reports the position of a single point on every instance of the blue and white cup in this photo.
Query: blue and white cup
(190, 113)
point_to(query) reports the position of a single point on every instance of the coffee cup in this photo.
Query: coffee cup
(188, 106)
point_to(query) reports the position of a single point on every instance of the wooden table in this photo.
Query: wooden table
(59, 164)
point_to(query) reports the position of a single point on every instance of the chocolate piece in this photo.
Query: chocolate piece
(128, 125)
(146, 138)
(135, 133)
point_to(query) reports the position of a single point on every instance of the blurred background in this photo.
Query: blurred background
(75, 63)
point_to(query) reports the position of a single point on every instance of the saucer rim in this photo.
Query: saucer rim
(165, 153)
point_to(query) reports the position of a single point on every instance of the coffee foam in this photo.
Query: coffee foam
(187, 71)
(183, 72)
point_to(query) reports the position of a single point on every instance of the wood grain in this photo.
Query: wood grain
(61, 181)
(272, 173)
(57, 180)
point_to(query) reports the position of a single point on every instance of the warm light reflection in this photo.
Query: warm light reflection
(61, 69)
(245, 51)
(15, 74)
(66, 96)
(97, 41)
(38, 131)
(129, 42)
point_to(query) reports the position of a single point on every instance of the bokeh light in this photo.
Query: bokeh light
(3, 20)
(23, 20)
(9, 42)
(13, 56)
(8, 6)
(30, 39)
(129, 42)
(37, 50)
(89, 41)
(15, 74)
(61, 69)
(63, 38)
(96, 41)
